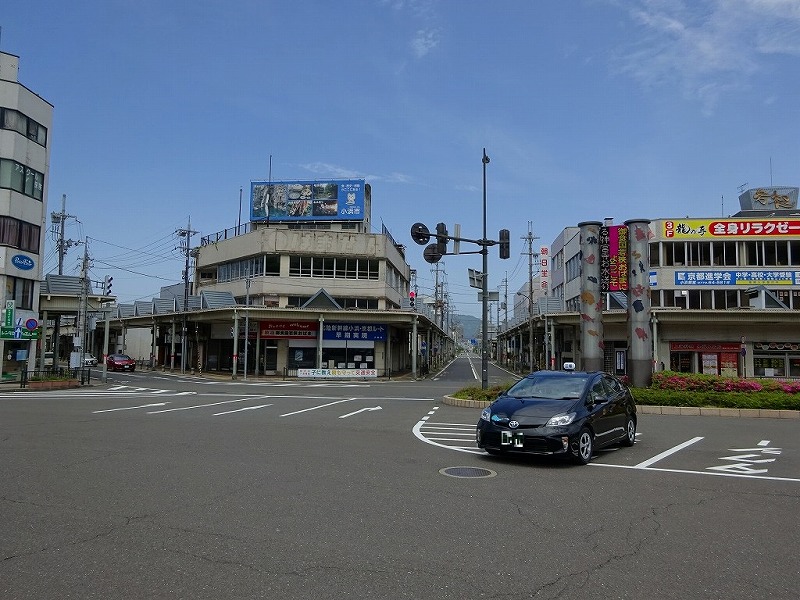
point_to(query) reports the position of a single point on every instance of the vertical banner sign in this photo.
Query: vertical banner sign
(8, 320)
(544, 268)
(613, 258)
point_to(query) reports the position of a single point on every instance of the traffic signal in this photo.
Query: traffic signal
(441, 238)
(420, 234)
(505, 243)
(107, 285)
(412, 299)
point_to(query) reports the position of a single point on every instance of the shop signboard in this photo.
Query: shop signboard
(729, 228)
(613, 258)
(282, 330)
(748, 277)
(354, 331)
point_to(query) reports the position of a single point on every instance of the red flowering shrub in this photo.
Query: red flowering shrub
(697, 382)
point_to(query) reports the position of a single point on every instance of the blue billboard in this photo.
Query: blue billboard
(330, 200)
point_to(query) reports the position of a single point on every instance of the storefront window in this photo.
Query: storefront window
(794, 366)
(680, 362)
(769, 366)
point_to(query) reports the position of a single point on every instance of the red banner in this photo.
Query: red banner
(288, 329)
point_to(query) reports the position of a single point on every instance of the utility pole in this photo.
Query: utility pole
(185, 233)
(529, 238)
(62, 245)
(83, 316)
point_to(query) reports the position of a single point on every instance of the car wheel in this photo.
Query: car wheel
(582, 447)
(630, 432)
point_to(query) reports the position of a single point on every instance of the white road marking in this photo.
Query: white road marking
(360, 411)
(715, 473)
(466, 427)
(297, 412)
(154, 412)
(227, 412)
(666, 453)
(94, 412)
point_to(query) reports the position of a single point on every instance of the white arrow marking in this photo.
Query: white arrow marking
(359, 411)
(227, 412)
(130, 407)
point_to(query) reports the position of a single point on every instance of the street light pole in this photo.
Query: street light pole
(485, 289)
(246, 321)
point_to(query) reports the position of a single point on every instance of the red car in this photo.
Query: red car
(120, 362)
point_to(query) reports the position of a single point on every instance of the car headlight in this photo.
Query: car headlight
(486, 414)
(561, 420)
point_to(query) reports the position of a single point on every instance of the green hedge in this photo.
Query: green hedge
(767, 400)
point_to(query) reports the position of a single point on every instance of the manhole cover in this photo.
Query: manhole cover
(467, 472)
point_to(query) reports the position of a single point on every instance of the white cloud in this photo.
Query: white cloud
(424, 41)
(337, 172)
(707, 47)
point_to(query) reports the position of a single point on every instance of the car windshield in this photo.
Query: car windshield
(562, 388)
(122, 357)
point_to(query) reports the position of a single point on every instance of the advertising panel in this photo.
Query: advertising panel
(354, 331)
(544, 268)
(743, 277)
(282, 330)
(729, 228)
(613, 258)
(773, 198)
(300, 200)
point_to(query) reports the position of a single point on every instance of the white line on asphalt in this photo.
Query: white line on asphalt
(417, 430)
(666, 453)
(360, 410)
(94, 412)
(227, 412)
(297, 412)
(717, 474)
(153, 412)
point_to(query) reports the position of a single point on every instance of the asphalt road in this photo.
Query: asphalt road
(164, 486)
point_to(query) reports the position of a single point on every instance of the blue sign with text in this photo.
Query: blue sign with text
(354, 331)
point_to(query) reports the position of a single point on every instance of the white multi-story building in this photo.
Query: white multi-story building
(723, 294)
(304, 284)
(25, 123)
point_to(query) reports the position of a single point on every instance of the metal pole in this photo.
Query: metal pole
(485, 289)
(530, 333)
(246, 322)
(546, 333)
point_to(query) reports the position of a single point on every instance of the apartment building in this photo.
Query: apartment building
(25, 125)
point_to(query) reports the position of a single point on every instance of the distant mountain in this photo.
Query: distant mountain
(471, 326)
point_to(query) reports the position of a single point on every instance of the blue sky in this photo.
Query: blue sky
(587, 108)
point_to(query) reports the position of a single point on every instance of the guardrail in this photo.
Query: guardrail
(50, 376)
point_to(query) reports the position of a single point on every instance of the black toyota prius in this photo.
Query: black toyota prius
(568, 413)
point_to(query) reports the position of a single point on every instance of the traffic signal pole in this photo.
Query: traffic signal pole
(434, 252)
(485, 289)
